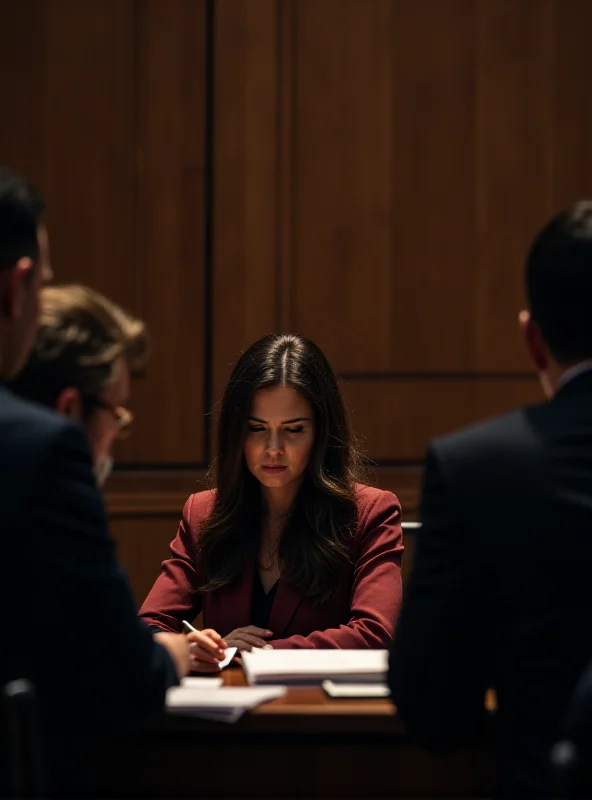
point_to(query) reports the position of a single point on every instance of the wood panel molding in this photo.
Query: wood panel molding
(396, 418)
(146, 504)
(146, 493)
(164, 494)
(145, 509)
(404, 481)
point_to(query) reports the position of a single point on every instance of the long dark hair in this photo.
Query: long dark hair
(315, 545)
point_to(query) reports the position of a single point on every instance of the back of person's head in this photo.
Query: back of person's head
(21, 211)
(559, 283)
(81, 335)
(85, 347)
(24, 265)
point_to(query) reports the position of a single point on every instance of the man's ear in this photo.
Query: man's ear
(533, 340)
(69, 403)
(14, 287)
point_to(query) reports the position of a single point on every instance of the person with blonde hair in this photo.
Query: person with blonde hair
(85, 350)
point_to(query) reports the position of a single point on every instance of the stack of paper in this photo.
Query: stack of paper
(315, 666)
(225, 704)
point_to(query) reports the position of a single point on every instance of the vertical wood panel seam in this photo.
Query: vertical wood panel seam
(209, 146)
(480, 218)
(293, 162)
(293, 150)
(279, 165)
(44, 25)
(286, 149)
(551, 77)
(50, 85)
(137, 165)
(393, 177)
(477, 211)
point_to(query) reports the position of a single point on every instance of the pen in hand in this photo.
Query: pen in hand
(203, 635)
(191, 629)
(189, 626)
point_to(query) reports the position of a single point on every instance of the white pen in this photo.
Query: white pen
(189, 625)
(193, 645)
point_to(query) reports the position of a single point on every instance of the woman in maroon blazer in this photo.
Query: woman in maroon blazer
(289, 551)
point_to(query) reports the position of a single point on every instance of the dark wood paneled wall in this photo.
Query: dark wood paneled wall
(366, 172)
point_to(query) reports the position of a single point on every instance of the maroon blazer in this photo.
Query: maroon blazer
(362, 612)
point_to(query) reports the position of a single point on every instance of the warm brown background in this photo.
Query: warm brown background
(365, 172)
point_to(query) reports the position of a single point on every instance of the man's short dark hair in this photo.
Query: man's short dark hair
(559, 283)
(21, 211)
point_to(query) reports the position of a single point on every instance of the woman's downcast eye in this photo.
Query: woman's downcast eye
(261, 429)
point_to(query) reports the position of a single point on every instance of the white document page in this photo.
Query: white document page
(192, 682)
(229, 654)
(315, 666)
(352, 690)
(226, 704)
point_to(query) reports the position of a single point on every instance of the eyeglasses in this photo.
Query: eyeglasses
(122, 416)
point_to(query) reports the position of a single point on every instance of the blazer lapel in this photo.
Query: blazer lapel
(285, 605)
(230, 607)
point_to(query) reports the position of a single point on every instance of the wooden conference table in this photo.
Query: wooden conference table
(303, 745)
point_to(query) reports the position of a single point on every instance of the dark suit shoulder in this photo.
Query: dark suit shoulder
(501, 437)
(35, 444)
(28, 432)
(20, 419)
(493, 464)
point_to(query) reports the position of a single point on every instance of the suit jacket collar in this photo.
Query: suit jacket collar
(286, 603)
(575, 372)
(580, 383)
(231, 605)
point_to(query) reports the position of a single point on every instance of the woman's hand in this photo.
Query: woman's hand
(207, 650)
(248, 637)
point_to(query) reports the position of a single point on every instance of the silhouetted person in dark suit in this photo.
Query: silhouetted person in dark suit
(69, 623)
(501, 590)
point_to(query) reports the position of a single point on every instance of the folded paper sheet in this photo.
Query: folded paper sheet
(225, 704)
(229, 654)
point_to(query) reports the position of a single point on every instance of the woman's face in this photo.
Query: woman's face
(280, 437)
